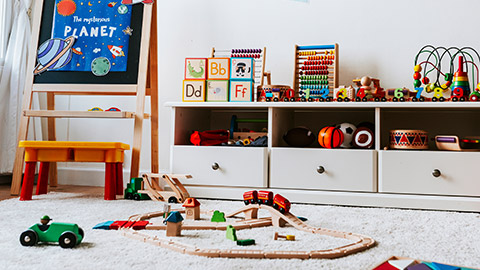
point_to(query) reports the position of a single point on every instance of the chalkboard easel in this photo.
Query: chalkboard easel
(139, 80)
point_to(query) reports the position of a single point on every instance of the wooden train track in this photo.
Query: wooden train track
(251, 220)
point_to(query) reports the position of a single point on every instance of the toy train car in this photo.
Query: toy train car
(266, 197)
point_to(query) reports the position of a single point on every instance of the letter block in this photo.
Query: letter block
(193, 90)
(217, 90)
(242, 69)
(241, 91)
(218, 69)
(195, 68)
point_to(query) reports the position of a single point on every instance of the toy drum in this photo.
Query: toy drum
(408, 139)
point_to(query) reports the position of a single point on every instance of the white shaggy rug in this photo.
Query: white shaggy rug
(446, 237)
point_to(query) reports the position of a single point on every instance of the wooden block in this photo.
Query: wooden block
(195, 68)
(193, 90)
(217, 90)
(242, 69)
(401, 264)
(206, 252)
(218, 69)
(241, 91)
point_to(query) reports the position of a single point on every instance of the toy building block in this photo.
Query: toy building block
(288, 237)
(218, 69)
(195, 68)
(192, 209)
(242, 69)
(246, 242)
(174, 224)
(241, 91)
(439, 266)
(103, 226)
(401, 264)
(217, 90)
(420, 266)
(193, 90)
(231, 233)
(218, 217)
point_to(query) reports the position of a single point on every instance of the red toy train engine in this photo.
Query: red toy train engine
(266, 197)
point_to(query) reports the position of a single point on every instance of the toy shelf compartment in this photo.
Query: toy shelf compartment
(284, 119)
(189, 119)
(436, 121)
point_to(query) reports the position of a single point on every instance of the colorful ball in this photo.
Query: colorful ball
(330, 137)
(347, 130)
(417, 68)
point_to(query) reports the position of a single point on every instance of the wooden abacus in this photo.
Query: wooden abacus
(316, 71)
(258, 56)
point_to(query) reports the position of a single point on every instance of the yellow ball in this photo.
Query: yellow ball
(417, 68)
(478, 86)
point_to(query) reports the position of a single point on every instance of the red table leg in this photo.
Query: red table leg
(42, 182)
(119, 167)
(28, 178)
(110, 181)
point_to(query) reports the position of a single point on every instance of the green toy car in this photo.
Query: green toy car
(67, 234)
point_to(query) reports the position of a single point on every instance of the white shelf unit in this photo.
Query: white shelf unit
(356, 177)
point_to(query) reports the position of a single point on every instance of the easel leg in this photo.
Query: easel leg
(19, 155)
(29, 177)
(42, 182)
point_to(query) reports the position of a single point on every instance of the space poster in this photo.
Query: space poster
(101, 29)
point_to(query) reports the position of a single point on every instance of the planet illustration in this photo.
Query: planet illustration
(100, 66)
(66, 7)
(53, 54)
(122, 9)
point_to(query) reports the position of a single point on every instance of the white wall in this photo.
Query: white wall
(375, 37)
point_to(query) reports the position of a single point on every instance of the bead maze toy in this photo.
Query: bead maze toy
(430, 59)
(258, 66)
(316, 72)
(138, 222)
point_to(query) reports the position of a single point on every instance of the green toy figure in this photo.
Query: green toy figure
(44, 220)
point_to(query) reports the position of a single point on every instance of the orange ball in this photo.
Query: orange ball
(330, 137)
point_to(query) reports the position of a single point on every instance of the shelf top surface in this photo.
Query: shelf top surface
(456, 105)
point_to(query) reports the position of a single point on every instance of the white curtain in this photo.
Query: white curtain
(14, 42)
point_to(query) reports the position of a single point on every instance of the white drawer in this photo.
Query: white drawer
(237, 166)
(345, 169)
(412, 172)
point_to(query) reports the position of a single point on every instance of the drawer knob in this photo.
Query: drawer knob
(436, 173)
(215, 166)
(320, 169)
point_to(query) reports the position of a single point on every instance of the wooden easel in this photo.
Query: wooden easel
(146, 85)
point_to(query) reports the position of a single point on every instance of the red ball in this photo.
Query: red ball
(425, 80)
(330, 137)
(417, 76)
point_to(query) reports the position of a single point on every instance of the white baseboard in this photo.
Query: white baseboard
(85, 176)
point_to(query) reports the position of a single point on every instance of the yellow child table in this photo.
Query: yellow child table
(53, 151)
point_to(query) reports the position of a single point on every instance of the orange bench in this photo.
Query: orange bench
(111, 153)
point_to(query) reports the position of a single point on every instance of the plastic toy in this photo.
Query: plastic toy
(133, 188)
(96, 109)
(236, 133)
(445, 81)
(113, 109)
(231, 233)
(278, 202)
(395, 263)
(274, 93)
(453, 143)
(218, 216)
(365, 91)
(192, 208)
(330, 137)
(68, 235)
(408, 139)
(363, 138)
(287, 237)
(251, 220)
(152, 188)
(315, 72)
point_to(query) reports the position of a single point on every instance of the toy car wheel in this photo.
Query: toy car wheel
(129, 196)
(364, 99)
(346, 99)
(358, 99)
(384, 99)
(247, 202)
(268, 99)
(422, 99)
(292, 99)
(441, 99)
(377, 99)
(303, 99)
(473, 98)
(275, 206)
(339, 99)
(462, 99)
(136, 197)
(282, 210)
(414, 99)
(285, 99)
(394, 99)
(275, 99)
(67, 240)
(28, 238)
(172, 200)
(402, 99)
(310, 99)
(455, 99)
(434, 99)
(321, 99)
(80, 231)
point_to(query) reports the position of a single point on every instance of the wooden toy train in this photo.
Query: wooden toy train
(278, 202)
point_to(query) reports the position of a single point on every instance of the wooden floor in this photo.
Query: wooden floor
(87, 190)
